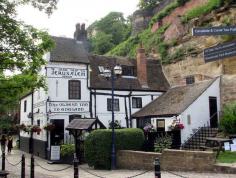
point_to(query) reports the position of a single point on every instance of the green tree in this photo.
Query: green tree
(148, 4)
(113, 27)
(21, 51)
(101, 43)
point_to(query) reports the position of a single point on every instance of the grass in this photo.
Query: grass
(227, 157)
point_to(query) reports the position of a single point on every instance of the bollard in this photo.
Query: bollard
(23, 166)
(157, 168)
(3, 161)
(76, 167)
(32, 167)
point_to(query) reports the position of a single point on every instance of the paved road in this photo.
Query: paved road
(45, 170)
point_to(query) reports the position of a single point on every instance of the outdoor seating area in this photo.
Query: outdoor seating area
(215, 144)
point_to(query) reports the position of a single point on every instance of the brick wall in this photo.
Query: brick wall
(172, 160)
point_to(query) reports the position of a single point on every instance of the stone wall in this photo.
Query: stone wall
(136, 159)
(182, 160)
(171, 160)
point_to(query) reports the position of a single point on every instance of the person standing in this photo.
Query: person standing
(3, 143)
(9, 144)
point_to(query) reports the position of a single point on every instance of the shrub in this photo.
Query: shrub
(67, 149)
(228, 120)
(163, 142)
(98, 145)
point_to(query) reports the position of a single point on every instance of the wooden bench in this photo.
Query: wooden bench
(3, 174)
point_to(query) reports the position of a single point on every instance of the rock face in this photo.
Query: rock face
(228, 89)
(140, 21)
(193, 64)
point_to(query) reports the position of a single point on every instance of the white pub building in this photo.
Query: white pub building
(77, 88)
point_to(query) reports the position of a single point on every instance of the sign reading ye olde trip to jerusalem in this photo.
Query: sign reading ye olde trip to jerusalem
(58, 72)
(67, 106)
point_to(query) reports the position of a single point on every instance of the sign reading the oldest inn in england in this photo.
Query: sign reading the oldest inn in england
(68, 106)
(59, 72)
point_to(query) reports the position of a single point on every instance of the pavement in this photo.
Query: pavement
(45, 170)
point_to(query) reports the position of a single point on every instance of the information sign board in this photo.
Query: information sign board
(55, 153)
(207, 31)
(220, 51)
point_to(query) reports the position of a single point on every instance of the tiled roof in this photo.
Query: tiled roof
(156, 79)
(174, 101)
(68, 50)
(80, 124)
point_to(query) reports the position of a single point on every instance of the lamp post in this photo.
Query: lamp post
(112, 74)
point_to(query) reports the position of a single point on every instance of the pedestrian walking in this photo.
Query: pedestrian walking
(9, 144)
(3, 143)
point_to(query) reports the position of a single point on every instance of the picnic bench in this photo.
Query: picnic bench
(3, 174)
(215, 144)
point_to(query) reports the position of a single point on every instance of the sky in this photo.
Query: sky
(69, 12)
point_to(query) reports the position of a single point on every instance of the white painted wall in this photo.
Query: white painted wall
(105, 116)
(24, 115)
(199, 111)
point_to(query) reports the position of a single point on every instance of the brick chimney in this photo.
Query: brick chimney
(80, 35)
(142, 67)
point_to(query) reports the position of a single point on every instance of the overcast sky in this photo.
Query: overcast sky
(69, 12)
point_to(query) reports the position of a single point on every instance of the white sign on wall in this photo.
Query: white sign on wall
(55, 153)
(59, 72)
(68, 106)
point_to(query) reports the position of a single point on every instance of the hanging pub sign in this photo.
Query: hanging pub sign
(220, 51)
(67, 106)
(207, 31)
(59, 72)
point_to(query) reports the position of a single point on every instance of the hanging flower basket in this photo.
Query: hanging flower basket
(176, 126)
(36, 128)
(148, 128)
(49, 127)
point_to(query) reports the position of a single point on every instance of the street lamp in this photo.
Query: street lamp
(113, 74)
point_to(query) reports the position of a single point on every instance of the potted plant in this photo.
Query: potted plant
(67, 153)
(49, 127)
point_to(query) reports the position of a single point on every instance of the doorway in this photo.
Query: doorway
(213, 112)
(57, 135)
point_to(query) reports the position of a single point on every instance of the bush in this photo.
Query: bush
(228, 120)
(67, 149)
(98, 145)
(163, 142)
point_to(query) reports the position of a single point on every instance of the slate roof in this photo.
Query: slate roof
(174, 101)
(83, 124)
(68, 50)
(156, 79)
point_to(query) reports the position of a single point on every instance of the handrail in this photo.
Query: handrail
(197, 131)
(191, 136)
